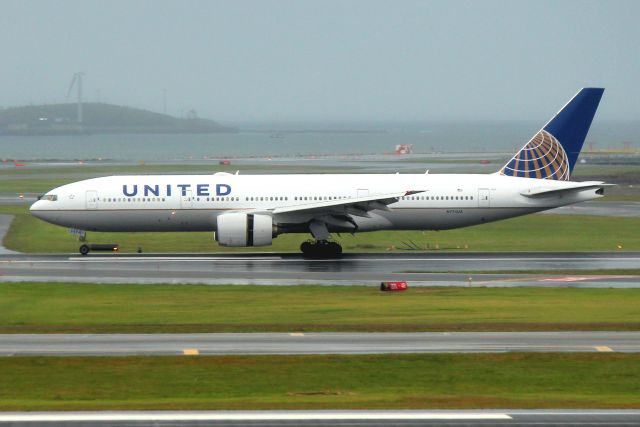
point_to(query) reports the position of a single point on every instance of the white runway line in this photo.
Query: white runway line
(247, 416)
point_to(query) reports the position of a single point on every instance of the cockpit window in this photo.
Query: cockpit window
(51, 197)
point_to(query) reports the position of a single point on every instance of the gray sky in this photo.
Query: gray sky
(326, 60)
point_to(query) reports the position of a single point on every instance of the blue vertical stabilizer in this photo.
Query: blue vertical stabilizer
(553, 151)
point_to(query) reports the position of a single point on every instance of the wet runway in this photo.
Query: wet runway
(326, 418)
(614, 209)
(420, 269)
(315, 343)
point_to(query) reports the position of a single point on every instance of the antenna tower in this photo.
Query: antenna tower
(77, 81)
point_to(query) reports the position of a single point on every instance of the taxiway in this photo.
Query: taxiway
(315, 343)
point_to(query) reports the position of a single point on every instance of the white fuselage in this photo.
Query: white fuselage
(192, 202)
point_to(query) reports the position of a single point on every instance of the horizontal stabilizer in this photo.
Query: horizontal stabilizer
(540, 192)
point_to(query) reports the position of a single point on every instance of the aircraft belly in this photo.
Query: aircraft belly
(137, 220)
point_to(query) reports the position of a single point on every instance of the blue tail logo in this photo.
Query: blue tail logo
(553, 151)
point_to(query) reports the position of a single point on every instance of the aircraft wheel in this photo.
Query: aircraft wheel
(84, 250)
(306, 248)
(321, 250)
(336, 249)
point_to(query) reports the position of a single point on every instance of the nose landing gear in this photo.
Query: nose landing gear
(320, 249)
(109, 247)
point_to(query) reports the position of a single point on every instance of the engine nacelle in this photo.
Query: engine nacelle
(241, 229)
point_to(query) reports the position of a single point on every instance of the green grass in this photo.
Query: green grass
(93, 308)
(38, 185)
(442, 381)
(544, 233)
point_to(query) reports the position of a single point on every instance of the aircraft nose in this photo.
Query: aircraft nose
(36, 205)
(36, 209)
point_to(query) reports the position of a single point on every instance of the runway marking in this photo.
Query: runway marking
(296, 334)
(603, 348)
(190, 352)
(251, 416)
(566, 279)
(581, 278)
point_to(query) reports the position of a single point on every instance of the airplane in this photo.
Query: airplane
(252, 210)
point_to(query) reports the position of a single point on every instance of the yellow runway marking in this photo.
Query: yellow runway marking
(190, 352)
(296, 334)
(603, 348)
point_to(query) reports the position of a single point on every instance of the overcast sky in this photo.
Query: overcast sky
(325, 60)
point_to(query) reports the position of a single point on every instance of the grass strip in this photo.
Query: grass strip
(93, 308)
(39, 185)
(415, 381)
(544, 233)
(148, 169)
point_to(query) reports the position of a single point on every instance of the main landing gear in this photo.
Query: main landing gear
(320, 249)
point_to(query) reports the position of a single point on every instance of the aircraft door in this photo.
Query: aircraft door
(362, 192)
(91, 199)
(186, 201)
(484, 198)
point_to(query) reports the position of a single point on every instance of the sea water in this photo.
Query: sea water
(300, 140)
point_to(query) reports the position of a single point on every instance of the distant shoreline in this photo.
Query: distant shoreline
(114, 131)
(100, 118)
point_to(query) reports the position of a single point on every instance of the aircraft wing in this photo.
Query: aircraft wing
(339, 213)
(358, 206)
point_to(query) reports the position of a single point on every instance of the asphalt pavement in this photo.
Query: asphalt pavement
(315, 343)
(419, 268)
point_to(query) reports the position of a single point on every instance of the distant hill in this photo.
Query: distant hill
(61, 119)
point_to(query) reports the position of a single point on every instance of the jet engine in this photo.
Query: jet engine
(241, 229)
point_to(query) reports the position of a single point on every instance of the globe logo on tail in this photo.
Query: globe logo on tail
(543, 158)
